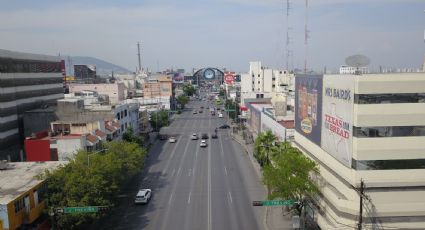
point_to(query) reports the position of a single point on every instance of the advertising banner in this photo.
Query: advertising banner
(308, 106)
(337, 121)
(229, 77)
(178, 78)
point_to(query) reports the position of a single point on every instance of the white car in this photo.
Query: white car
(143, 196)
(203, 143)
(220, 115)
(172, 140)
(194, 136)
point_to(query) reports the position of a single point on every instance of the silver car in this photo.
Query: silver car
(143, 196)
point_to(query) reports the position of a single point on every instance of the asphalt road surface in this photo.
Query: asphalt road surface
(193, 187)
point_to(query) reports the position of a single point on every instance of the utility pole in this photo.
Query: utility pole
(359, 225)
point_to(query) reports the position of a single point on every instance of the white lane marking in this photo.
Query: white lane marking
(178, 172)
(188, 200)
(209, 182)
(169, 200)
(190, 172)
(225, 171)
(174, 171)
(230, 197)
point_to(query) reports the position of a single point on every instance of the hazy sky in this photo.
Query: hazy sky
(218, 33)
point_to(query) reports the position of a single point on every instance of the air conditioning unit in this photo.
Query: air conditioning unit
(3, 164)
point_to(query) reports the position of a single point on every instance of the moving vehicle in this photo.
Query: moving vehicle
(204, 136)
(172, 140)
(200, 111)
(220, 115)
(194, 136)
(163, 137)
(203, 143)
(194, 112)
(143, 196)
(214, 136)
(224, 126)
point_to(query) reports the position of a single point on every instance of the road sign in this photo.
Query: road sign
(230, 110)
(273, 203)
(80, 209)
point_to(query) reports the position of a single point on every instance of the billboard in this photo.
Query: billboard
(229, 77)
(178, 78)
(308, 106)
(337, 120)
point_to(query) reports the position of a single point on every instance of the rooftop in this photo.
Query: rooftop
(20, 177)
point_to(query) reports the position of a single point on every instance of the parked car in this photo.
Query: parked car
(224, 127)
(194, 112)
(220, 115)
(194, 136)
(143, 196)
(214, 136)
(172, 140)
(200, 111)
(204, 136)
(163, 137)
(203, 143)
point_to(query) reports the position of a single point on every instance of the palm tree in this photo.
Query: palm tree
(264, 147)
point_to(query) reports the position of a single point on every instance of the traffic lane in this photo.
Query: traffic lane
(245, 184)
(222, 199)
(177, 203)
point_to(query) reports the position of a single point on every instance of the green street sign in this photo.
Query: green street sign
(81, 209)
(273, 203)
(230, 110)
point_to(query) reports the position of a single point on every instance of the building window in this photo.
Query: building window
(258, 75)
(122, 128)
(19, 205)
(122, 114)
(390, 98)
(118, 116)
(258, 82)
(389, 131)
(273, 86)
(388, 164)
(261, 95)
(41, 192)
(125, 113)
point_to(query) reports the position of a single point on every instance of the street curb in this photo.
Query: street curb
(266, 213)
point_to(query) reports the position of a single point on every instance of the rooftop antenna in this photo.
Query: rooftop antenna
(357, 61)
(138, 55)
(289, 53)
(306, 36)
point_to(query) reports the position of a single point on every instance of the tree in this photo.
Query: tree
(129, 136)
(182, 100)
(289, 175)
(221, 93)
(234, 107)
(264, 147)
(92, 179)
(159, 119)
(189, 90)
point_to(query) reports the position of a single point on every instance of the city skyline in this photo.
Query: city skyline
(224, 33)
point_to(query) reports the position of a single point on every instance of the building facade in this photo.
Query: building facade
(23, 194)
(116, 92)
(85, 74)
(158, 87)
(365, 129)
(27, 81)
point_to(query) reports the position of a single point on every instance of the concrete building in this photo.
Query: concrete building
(353, 70)
(158, 87)
(23, 193)
(116, 92)
(368, 128)
(27, 81)
(262, 82)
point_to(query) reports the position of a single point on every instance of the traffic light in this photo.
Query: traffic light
(257, 203)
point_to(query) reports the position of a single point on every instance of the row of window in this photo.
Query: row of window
(28, 66)
(389, 98)
(389, 131)
(121, 114)
(388, 164)
(39, 196)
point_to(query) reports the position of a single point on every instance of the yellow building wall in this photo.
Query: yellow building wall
(1, 225)
(17, 219)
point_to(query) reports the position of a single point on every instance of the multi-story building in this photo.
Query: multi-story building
(365, 130)
(158, 87)
(262, 82)
(27, 81)
(353, 70)
(23, 192)
(85, 74)
(116, 92)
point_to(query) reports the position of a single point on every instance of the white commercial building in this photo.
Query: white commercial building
(368, 128)
(352, 70)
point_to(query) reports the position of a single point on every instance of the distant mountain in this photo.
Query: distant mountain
(102, 67)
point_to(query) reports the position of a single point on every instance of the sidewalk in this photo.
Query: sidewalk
(274, 218)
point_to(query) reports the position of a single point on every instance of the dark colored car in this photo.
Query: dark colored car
(224, 127)
(163, 137)
(204, 136)
(214, 136)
